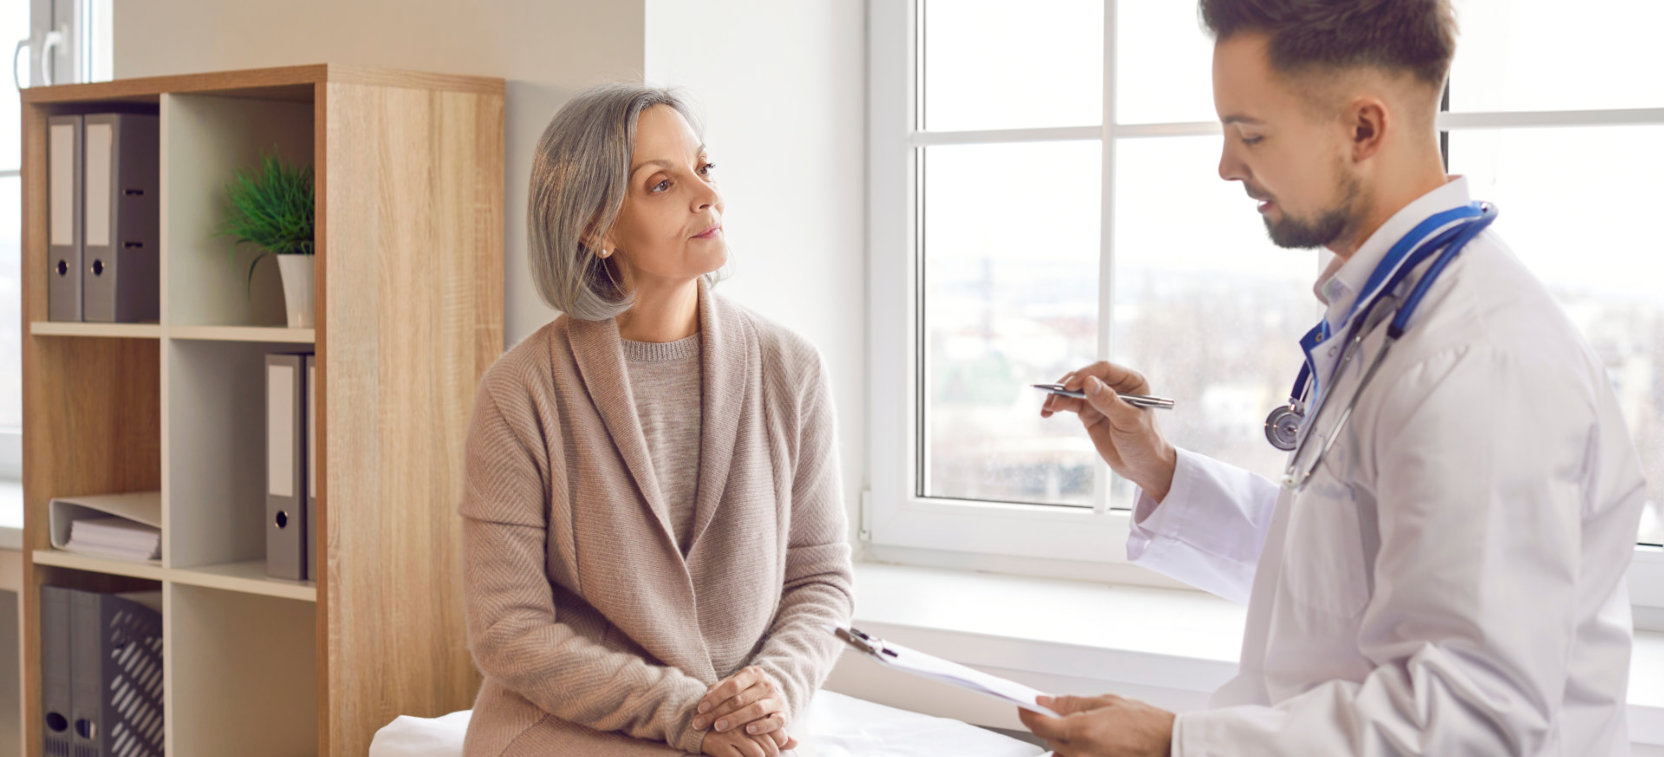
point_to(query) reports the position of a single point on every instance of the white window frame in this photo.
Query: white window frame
(81, 50)
(897, 525)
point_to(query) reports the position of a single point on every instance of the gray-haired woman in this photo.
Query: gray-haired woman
(654, 532)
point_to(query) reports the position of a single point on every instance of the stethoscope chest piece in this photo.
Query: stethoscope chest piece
(1282, 427)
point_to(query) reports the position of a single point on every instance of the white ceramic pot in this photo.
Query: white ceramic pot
(297, 289)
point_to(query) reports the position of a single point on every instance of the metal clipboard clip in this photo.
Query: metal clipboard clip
(865, 642)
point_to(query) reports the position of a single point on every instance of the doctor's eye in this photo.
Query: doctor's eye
(1251, 141)
(705, 170)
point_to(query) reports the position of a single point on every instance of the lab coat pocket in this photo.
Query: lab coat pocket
(1324, 569)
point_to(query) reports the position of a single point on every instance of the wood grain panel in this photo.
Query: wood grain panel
(282, 83)
(413, 265)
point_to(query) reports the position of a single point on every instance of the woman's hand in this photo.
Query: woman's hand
(747, 702)
(737, 743)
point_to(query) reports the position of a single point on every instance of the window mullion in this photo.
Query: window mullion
(1106, 234)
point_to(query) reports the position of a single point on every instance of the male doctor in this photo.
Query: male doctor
(1450, 580)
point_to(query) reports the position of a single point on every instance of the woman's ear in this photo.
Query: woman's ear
(601, 245)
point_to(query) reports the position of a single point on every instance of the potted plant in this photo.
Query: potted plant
(272, 210)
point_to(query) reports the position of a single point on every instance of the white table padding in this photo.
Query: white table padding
(835, 726)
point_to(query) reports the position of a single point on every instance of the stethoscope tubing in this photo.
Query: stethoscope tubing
(1452, 240)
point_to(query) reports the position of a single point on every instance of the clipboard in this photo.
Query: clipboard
(912, 661)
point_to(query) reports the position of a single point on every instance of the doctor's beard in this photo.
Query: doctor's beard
(1299, 233)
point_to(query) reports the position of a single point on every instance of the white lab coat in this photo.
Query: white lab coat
(1452, 581)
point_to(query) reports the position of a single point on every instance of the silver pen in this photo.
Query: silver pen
(1136, 400)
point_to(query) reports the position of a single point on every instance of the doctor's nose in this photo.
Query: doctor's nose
(1231, 169)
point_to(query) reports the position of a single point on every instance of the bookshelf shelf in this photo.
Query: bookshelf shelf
(245, 577)
(267, 334)
(149, 571)
(408, 172)
(106, 330)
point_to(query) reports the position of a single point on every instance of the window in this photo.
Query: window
(72, 38)
(14, 25)
(1043, 191)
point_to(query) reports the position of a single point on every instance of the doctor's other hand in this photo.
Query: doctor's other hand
(1106, 726)
(1126, 437)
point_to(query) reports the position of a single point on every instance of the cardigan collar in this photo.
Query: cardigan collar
(727, 347)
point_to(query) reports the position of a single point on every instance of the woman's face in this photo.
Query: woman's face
(669, 230)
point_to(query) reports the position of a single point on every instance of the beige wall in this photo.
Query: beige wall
(781, 88)
(546, 49)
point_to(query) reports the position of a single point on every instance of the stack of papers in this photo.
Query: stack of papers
(111, 536)
(946, 671)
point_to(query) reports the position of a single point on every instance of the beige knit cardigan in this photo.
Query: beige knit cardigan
(595, 634)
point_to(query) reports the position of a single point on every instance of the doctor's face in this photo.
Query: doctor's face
(1288, 154)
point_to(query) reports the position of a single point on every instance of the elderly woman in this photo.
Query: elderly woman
(655, 538)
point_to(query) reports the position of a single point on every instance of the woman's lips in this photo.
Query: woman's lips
(708, 233)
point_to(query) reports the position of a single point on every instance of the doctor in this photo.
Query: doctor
(1448, 578)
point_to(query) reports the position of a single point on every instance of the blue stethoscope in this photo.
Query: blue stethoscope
(1448, 231)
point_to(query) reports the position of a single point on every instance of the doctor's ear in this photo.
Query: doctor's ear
(1366, 120)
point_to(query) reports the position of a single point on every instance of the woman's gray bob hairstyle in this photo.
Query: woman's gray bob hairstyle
(578, 180)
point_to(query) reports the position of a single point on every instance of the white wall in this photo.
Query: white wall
(781, 88)
(548, 50)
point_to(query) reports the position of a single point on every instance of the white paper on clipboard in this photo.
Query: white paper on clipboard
(893, 655)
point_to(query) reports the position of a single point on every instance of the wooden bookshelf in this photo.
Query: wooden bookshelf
(409, 172)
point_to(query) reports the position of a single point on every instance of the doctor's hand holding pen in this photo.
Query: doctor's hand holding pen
(1125, 433)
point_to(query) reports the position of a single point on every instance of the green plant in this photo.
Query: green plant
(271, 210)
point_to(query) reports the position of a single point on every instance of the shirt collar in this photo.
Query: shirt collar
(1341, 281)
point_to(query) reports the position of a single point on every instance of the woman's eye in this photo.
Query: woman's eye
(705, 170)
(661, 186)
(1251, 141)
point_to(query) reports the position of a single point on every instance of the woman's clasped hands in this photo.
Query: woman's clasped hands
(746, 715)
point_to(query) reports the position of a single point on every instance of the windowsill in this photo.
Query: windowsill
(11, 515)
(1082, 637)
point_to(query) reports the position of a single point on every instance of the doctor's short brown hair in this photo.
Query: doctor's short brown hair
(1401, 36)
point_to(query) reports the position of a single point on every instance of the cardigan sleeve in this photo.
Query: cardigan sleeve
(514, 630)
(799, 652)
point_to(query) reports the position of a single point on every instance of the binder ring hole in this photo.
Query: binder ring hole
(98, 268)
(63, 268)
(56, 722)
(86, 729)
(282, 519)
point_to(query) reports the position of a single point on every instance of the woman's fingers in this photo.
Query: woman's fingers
(728, 687)
(722, 716)
(715, 714)
(755, 711)
(768, 724)
(733, 712)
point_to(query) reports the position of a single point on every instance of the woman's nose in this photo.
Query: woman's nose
(706, 196)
